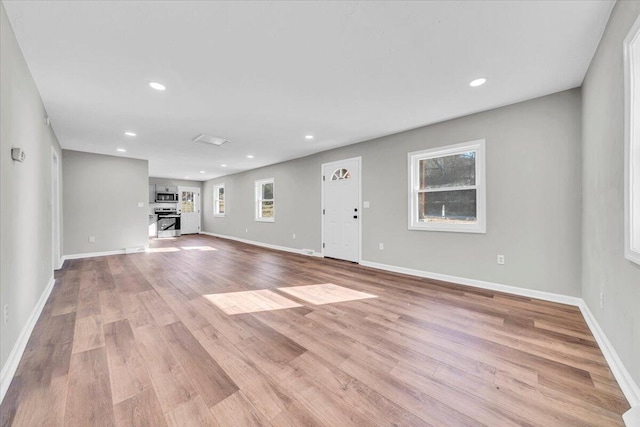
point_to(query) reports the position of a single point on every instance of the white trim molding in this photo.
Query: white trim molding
(631, 418)
(631, 55)
(514, 290)
(309, 252)
(11, 365)
(93, 254)
(625, 381)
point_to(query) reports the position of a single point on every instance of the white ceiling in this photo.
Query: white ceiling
(265, 74)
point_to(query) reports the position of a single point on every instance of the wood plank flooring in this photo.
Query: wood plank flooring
(135, 340)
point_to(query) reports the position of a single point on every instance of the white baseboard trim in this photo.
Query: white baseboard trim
(530, 293)
(92, 254)
(631, 418)
(628, 386)
(307, 252)
(11, 365)
(624, 379)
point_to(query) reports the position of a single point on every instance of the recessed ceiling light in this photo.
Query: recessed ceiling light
(308, 137)
(477, 82)
(186, 177)
(130, 133)
(122, 150)
(157, 86)
(224, 166)
(201, 171)
(250, 156)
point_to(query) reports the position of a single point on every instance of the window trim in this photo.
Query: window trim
(258, 199)
(631, 148)
(413, 159)
(216, 199)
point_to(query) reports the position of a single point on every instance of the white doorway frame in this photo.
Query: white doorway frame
(360, 215)
(56, 254)
(198, 206)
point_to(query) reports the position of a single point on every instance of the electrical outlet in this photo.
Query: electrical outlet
(501, 259)
(5, 314)
(92, 239)
(381, 246)
(601, 299)
(141, 204)
(294, 235)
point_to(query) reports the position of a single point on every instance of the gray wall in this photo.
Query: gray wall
(25, 191)
(101, 195)
(605, 268)
(533, 198)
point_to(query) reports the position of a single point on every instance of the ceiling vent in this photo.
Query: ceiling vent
(208, 139)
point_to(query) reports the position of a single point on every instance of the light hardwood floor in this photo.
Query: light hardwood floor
(138, 340)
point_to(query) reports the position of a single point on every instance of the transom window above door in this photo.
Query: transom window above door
(340, 174)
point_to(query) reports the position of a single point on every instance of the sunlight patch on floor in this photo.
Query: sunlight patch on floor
(152, 250)
(250, 301)
(198, 248)
(326, 293)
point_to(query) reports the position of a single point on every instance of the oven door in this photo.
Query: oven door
(168, 226)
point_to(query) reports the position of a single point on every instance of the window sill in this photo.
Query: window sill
(477, 229)
(265, 220)
(632, 256)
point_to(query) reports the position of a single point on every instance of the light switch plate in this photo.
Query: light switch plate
(141, 204)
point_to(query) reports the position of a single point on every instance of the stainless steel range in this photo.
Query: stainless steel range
(168, 222)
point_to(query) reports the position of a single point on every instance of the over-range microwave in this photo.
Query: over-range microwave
(166, 197)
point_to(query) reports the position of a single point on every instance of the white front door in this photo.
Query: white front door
(341, 210)
(189, 208)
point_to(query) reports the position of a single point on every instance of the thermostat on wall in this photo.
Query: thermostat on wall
(18, 155)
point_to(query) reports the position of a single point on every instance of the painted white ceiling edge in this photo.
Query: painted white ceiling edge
(265, 74)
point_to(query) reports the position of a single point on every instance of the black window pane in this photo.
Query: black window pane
(453, 207)
(267, 191)
(448, 171)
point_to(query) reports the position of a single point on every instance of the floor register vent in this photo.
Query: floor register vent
(134, 250)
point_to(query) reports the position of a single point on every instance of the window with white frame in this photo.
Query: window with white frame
(265, 200)
(218, 200)
(447, 188)
(632, 144)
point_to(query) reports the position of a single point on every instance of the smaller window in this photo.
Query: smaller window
(340, 174)
(218, 200)
(265, 200)
(447, 188)
(632, 144)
